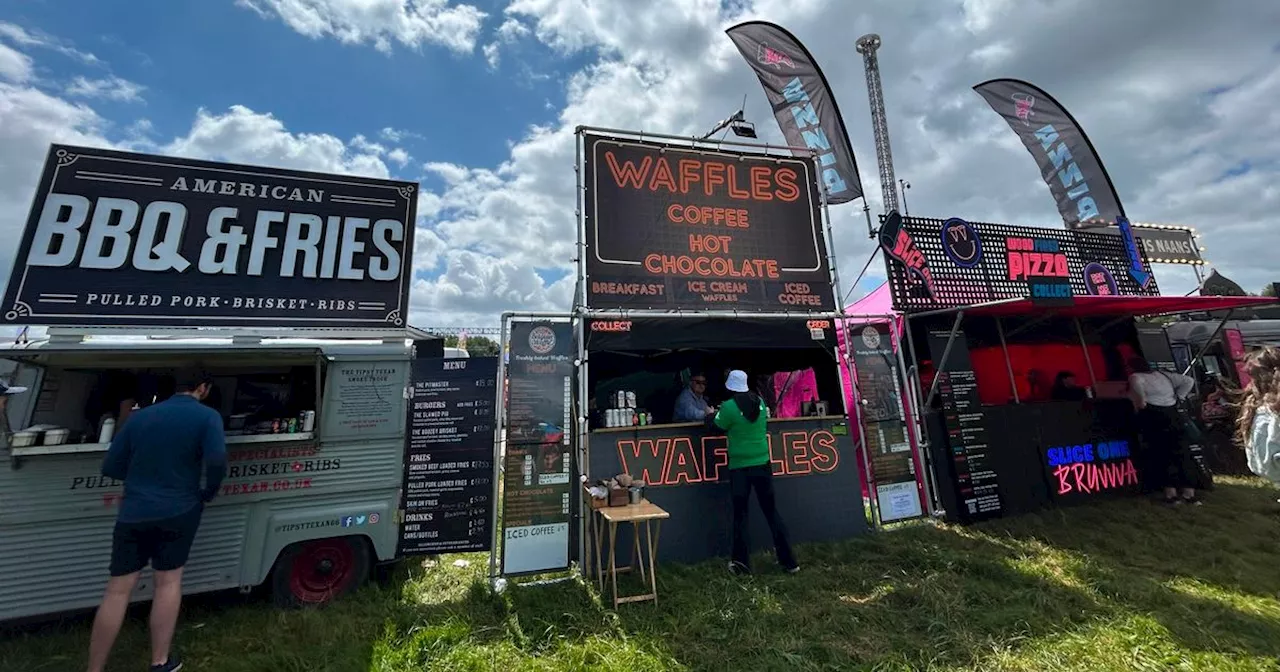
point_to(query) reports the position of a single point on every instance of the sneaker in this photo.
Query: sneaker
(793, 570)
(1192, 501)
(173, 665)
(738, 569)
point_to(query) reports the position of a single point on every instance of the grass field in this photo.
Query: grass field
(1125, 585)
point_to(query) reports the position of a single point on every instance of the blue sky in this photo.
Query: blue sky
(217, 54)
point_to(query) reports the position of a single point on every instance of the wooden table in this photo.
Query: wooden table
(645, 513)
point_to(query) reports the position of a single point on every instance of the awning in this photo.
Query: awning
(1102, 306)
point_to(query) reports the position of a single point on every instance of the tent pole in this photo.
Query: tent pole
(913, 416)
(1088, 361)
(942, 361)
(1008, 363)
(913, 382)
(1208, 342)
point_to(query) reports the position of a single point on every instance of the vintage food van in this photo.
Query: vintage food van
(315, 441)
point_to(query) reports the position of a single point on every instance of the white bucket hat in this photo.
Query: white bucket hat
(737, 381)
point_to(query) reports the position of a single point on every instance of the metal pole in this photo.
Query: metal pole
(918, 391)
(866, 212)
(913, 412)
(856, 402)
(580, 296)
(1013, 380)
(499, 450)
(584, 444)
(942, 361)
(831, 245)
(1208, 342)
(1088, 361)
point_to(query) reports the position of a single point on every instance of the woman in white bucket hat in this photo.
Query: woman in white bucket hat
(744, 419)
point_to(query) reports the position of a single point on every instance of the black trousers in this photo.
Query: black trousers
(741, 483)
(1171, 459)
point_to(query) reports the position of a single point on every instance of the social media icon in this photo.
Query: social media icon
(360, 520)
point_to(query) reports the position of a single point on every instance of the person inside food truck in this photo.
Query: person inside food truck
(1065, 388)
(691, 405)
(115, 394)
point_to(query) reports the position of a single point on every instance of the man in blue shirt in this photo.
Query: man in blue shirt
(691, 405)
(160, 454)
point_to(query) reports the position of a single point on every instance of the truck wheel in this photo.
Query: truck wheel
(314, 572)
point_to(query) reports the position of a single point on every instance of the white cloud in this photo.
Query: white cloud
(22, 37)
(110, 88)
(15, 66)
(508, 33)
(412, 23)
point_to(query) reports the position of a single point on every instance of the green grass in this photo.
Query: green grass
(1122, 585)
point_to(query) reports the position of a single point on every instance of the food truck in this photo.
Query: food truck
(290, 289)
(996, 316)
(315, 439)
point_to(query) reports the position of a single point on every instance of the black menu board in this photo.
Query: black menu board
(874, 361)
(883, 429)
(448, 460)
(974, 473)
(537, 486)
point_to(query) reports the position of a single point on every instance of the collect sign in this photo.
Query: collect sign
(448, 462)
(125, 239)
(536, 493)
(675, 227)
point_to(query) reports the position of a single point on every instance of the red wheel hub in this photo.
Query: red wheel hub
(323, 569)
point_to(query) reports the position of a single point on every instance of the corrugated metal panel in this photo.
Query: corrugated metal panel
(62, 566)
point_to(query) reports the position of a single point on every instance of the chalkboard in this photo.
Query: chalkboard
(448, 463)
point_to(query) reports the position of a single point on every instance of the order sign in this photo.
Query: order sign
(675, 227)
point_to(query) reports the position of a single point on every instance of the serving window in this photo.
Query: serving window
(80, 400)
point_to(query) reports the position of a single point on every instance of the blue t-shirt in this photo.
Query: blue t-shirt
(159, 454)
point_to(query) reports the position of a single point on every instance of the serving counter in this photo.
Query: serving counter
(1038, 454)
(685, 468)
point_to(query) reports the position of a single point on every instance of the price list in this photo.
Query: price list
(975, 478)
(448, 480)
(537, 490)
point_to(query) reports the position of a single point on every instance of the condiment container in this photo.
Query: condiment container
(108, 430)
(309, 421)
(24, 439)
(56, 437)
(631, 399)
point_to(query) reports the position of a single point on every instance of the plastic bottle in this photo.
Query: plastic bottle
(108, 430)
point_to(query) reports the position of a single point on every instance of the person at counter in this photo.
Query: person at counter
(1065, 388)
(691, 405)
(159, 454)
(744, 419)
(1155, 396)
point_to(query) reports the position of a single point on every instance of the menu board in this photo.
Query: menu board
(448, 458)
(883, 430)
(537, 488)
(974, 474)
(879, 386)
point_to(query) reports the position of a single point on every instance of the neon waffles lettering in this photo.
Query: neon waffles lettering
(770, 56)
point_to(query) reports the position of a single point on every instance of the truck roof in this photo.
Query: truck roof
(329, 346)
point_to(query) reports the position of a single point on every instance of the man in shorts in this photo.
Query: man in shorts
(160, 455)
